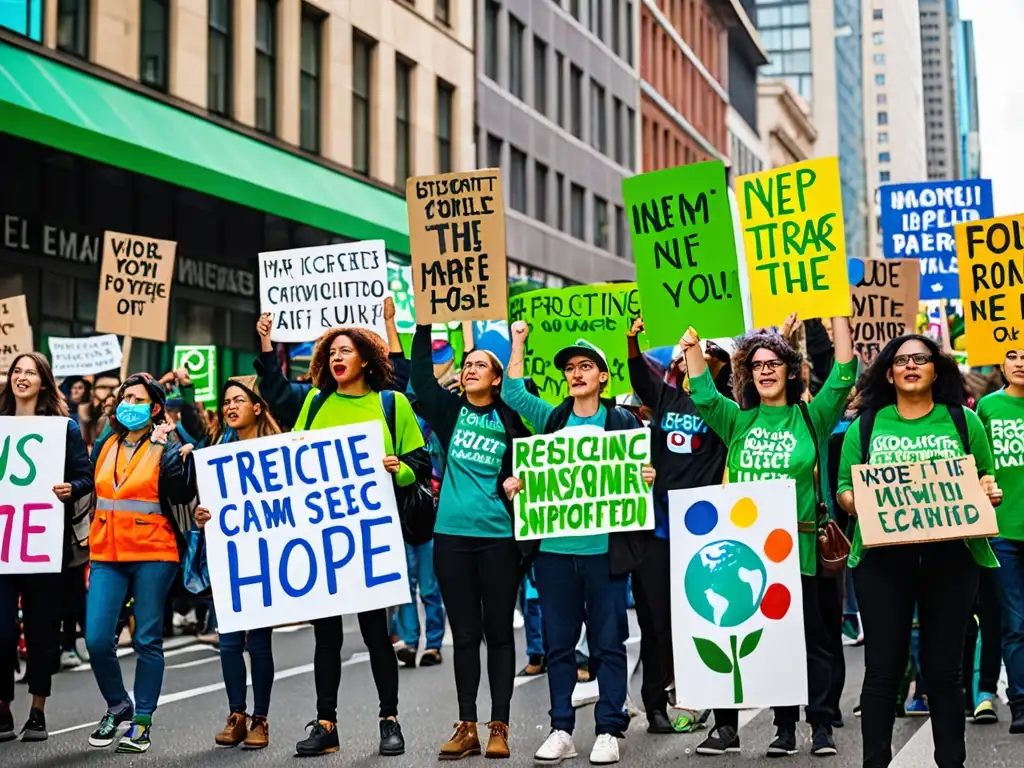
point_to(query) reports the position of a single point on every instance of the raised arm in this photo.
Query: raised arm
(715, 408)
(284, 397)
(513, 390)
(842, 339)
(431, 395)
(646, 385)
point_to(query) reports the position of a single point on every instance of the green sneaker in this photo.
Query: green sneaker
(689, 720)
(106, 731)
(135, 739)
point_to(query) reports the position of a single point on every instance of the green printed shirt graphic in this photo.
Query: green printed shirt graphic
(470, 504)
(1003, 417)
(896, 440)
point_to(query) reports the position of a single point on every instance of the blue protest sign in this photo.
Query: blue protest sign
(304, 525)
(918, 220)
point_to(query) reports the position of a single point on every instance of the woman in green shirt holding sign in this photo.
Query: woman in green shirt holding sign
(771, 434)
(912, 410)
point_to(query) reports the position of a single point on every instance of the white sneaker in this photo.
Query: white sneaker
(555, 749)
(605, 751)
(69, 660)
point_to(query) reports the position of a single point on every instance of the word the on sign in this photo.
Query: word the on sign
(885, 298)
(135, 286)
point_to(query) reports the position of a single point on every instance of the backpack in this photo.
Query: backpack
(417, 508)
(867, 426)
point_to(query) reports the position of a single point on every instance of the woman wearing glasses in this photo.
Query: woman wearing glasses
(912, 409)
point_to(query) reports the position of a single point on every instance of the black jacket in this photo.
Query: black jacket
(78, 471)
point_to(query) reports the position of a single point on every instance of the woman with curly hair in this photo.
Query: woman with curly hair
(771, 433)
(350, 367)
(912, 409)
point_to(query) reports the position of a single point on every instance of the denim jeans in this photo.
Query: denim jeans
(850, 606)
(407, 618)
(110, 584)
(1010, 587)
(232, 664)
(532, 619)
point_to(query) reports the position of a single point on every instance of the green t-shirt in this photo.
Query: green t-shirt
(1003, 417)
(470, 504)
(340, 410)
(772, 443)
(895, 439)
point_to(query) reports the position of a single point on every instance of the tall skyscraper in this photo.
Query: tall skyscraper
(967, 102)
(940, 27)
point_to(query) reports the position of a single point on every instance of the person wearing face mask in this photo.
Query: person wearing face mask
(476, 557)
(768, 387)
(579, 577)
(32, 391)
(142, 471)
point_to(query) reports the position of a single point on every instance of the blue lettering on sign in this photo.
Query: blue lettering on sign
(283, 568)
(238, 581)
(369, 552)
(333, 566)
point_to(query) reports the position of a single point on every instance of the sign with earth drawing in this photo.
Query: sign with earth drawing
(736, 596)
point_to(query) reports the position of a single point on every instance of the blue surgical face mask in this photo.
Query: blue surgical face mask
(133, 416)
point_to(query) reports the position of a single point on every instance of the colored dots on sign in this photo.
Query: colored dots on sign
(776, 601)
(701, 518)
(778, 545)
(744, 513)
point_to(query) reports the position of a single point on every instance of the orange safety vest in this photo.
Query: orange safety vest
(129, 526)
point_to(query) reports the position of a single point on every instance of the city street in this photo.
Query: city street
(193, 709)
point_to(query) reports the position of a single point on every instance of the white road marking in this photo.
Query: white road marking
(196, 663)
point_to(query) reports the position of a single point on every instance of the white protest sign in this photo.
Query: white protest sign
(31, 516)
(311, 290)
(84, 356)
(304, 525)
(736, 596)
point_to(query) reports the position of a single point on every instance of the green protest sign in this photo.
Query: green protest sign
(684, 247)
(201, 364)
(579, 482)
(557, 317)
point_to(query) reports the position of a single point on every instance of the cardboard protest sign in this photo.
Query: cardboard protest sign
(579, 482)
(991, 264)
(795, 242)
(84, 356)
(457, 241)
(15, 331)
(686, 264)
(557, 317)
(31, 516)
(921, 501)
(736, 595)
(885, 302)
(311, 290)
(304, 526)
(918, 221)
(135, 286)
(201, 364)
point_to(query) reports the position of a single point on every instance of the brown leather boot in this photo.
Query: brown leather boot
(497, 744)
(259, 734)
(463, 743)
(234, 731)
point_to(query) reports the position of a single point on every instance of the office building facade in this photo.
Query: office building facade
(967, 102)
(940, 26)
(746, 55)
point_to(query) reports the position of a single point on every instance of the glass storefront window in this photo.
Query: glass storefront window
(24, 17)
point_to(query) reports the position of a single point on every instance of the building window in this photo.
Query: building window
(494, 147)
(616, 34)
(73, 27)
(517, 192)
(560, 201)
(877, 14)
(154, 24)
(884, 157)
(309, 79)
(265, 69)
(597, 18)
(629, 32)
(878, 38)
(879, 58)
(442, 13)
(540, 192)
(445, 124)
(218, 97)
(631, 138)
(560, 88)
(491, 11)
(576, 212)
(515, 56)
(576, 94)
(403, 120)
(883, 137)
(362, 74)
(881, 98)
(598, 119)
(600, 222)
(883, 176)
(883, 118)
(540, 75)
(620, 231)
(574, 9)
(880, 79)
(24, 17)
(620, 141)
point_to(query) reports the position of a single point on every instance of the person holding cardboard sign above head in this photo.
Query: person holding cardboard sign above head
(771, 433)
(913, 427)
(32, 391)
(579, 578)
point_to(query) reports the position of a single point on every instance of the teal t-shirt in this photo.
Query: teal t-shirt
(470, 503)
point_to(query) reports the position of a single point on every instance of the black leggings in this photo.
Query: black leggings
(652, 582)
(986, 608)
(329, 635)
(40, 607)
(479, 580)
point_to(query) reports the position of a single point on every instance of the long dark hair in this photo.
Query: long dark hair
(50, 401)
(379, 373)
(744, 389)
(265, 422)
(156, 394)
(876, 391)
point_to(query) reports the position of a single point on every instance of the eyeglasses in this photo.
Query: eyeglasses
(920, 358)
(584, 367)
(771, 365)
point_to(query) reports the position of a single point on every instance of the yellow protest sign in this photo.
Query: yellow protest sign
(794, 238)
(990, 258)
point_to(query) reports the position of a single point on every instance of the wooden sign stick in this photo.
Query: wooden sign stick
(126, 353)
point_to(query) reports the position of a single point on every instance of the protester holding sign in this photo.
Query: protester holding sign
(349, 370)
(579, 578)
(911, 409)
(1002, 413)
(475, 556)
(32, 391)
(142, 472)
(772, 434)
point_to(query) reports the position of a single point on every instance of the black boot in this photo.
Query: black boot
(392, 743)
(785, 742)
(322, 739)
(658, 722)
(35, 726)
(1017, 726)
(6, 722)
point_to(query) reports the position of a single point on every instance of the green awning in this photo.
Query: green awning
(45, 101)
